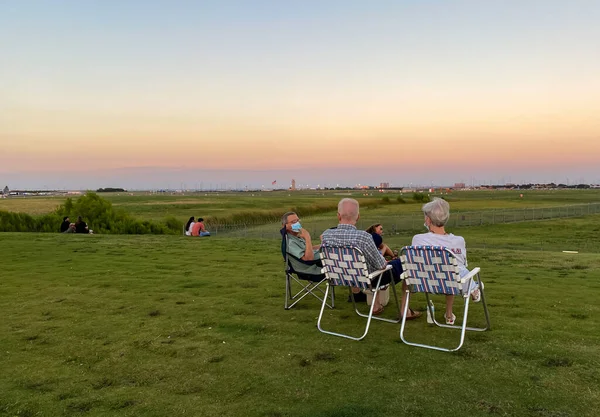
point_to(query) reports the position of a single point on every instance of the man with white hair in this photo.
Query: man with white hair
(346, 234)
(437, 213)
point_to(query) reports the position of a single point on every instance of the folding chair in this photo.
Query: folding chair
(346, 266)
(309, 284)
(434, 270)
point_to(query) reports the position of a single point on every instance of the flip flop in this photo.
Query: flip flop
(378, 312)
(413, 315)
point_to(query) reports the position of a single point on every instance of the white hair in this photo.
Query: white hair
(438, 211)
(348, 209)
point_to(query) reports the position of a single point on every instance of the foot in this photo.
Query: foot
(377, 310)
(450, 320)
(412, 314)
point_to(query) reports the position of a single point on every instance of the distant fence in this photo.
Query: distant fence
(414, 221)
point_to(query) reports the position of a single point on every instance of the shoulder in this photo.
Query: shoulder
(417, 239)
(457, 239)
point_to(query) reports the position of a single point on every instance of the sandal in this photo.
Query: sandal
(413, 315)
(476, 294)
(378, 312)
(450, 320)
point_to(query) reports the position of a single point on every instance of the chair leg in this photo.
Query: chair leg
(307, 289)
(463, 328)
(369, 317)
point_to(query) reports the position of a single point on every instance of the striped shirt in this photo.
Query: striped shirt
(348, 235)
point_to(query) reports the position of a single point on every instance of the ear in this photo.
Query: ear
(339, 217)
(358, 217)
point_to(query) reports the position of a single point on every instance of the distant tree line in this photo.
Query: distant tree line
(110, 190)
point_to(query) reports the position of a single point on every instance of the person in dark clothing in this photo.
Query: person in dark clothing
(64, 226)
(81, 226)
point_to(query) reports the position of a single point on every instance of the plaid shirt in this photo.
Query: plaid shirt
(347, 235)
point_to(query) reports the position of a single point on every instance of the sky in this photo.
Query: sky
(182, 94)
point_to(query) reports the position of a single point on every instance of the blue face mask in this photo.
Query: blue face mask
(296, 227)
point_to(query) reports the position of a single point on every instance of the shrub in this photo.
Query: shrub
(421, 198)
(400, 200)
(386, 200)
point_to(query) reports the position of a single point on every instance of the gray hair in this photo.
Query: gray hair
(348, 209)
(285, 217)
(438, 211)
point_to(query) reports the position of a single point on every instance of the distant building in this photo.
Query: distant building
(459, 185)
(293, 188)
(5, 191)
(384, 185)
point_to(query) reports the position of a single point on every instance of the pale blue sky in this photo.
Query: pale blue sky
(406, 91)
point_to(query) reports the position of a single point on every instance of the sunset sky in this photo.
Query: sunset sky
(155, 94)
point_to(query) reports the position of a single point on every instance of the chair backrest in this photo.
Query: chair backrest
(431, 269)
(345, 266)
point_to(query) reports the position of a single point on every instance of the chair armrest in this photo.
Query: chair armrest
(470, 275)
(379, 272)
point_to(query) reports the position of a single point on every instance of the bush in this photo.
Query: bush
(421, 198)
(400, 200)
(96, 211)
(386, 200)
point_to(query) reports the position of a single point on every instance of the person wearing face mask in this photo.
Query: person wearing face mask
(304, 255)
(437, 213)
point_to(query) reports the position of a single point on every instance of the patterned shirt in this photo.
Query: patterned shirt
(347, 235)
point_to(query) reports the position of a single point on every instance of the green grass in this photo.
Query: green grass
(238, 207)
(166, 325)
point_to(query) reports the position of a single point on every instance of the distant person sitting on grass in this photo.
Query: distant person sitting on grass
(64, 226)
(376, 231)
(188, 226)
(198, 229)
(81, 226)
(70, 229)
(437, 213)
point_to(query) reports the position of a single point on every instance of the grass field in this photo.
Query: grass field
(166, 325)
(151, 206)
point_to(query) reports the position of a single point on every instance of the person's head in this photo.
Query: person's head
(437, 212)
(191, 219)
(66, 219)
(376, 228)
(79, 219)
(200, 219)
(288, 220)
(348, 212)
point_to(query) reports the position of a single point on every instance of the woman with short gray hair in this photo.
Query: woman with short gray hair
(437, 213)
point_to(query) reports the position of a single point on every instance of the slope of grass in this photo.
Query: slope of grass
(167, 325)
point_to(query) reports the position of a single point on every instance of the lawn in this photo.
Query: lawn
(167, 325)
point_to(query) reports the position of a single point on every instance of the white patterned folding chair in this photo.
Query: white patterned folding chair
(434, 270)
(298, 285)
(346, 266)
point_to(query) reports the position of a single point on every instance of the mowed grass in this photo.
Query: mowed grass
(167, 325)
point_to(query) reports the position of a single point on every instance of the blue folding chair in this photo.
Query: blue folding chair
(434, 270)
(346, 266)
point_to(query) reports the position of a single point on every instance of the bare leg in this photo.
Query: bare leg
(449, 304)
(386, 251)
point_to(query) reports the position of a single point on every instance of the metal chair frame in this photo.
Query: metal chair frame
(352, 273)
(434, 270)
(307, 287)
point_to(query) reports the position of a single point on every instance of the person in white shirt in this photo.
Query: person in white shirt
(437, 213)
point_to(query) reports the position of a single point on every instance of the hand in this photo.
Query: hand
(303, 234)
